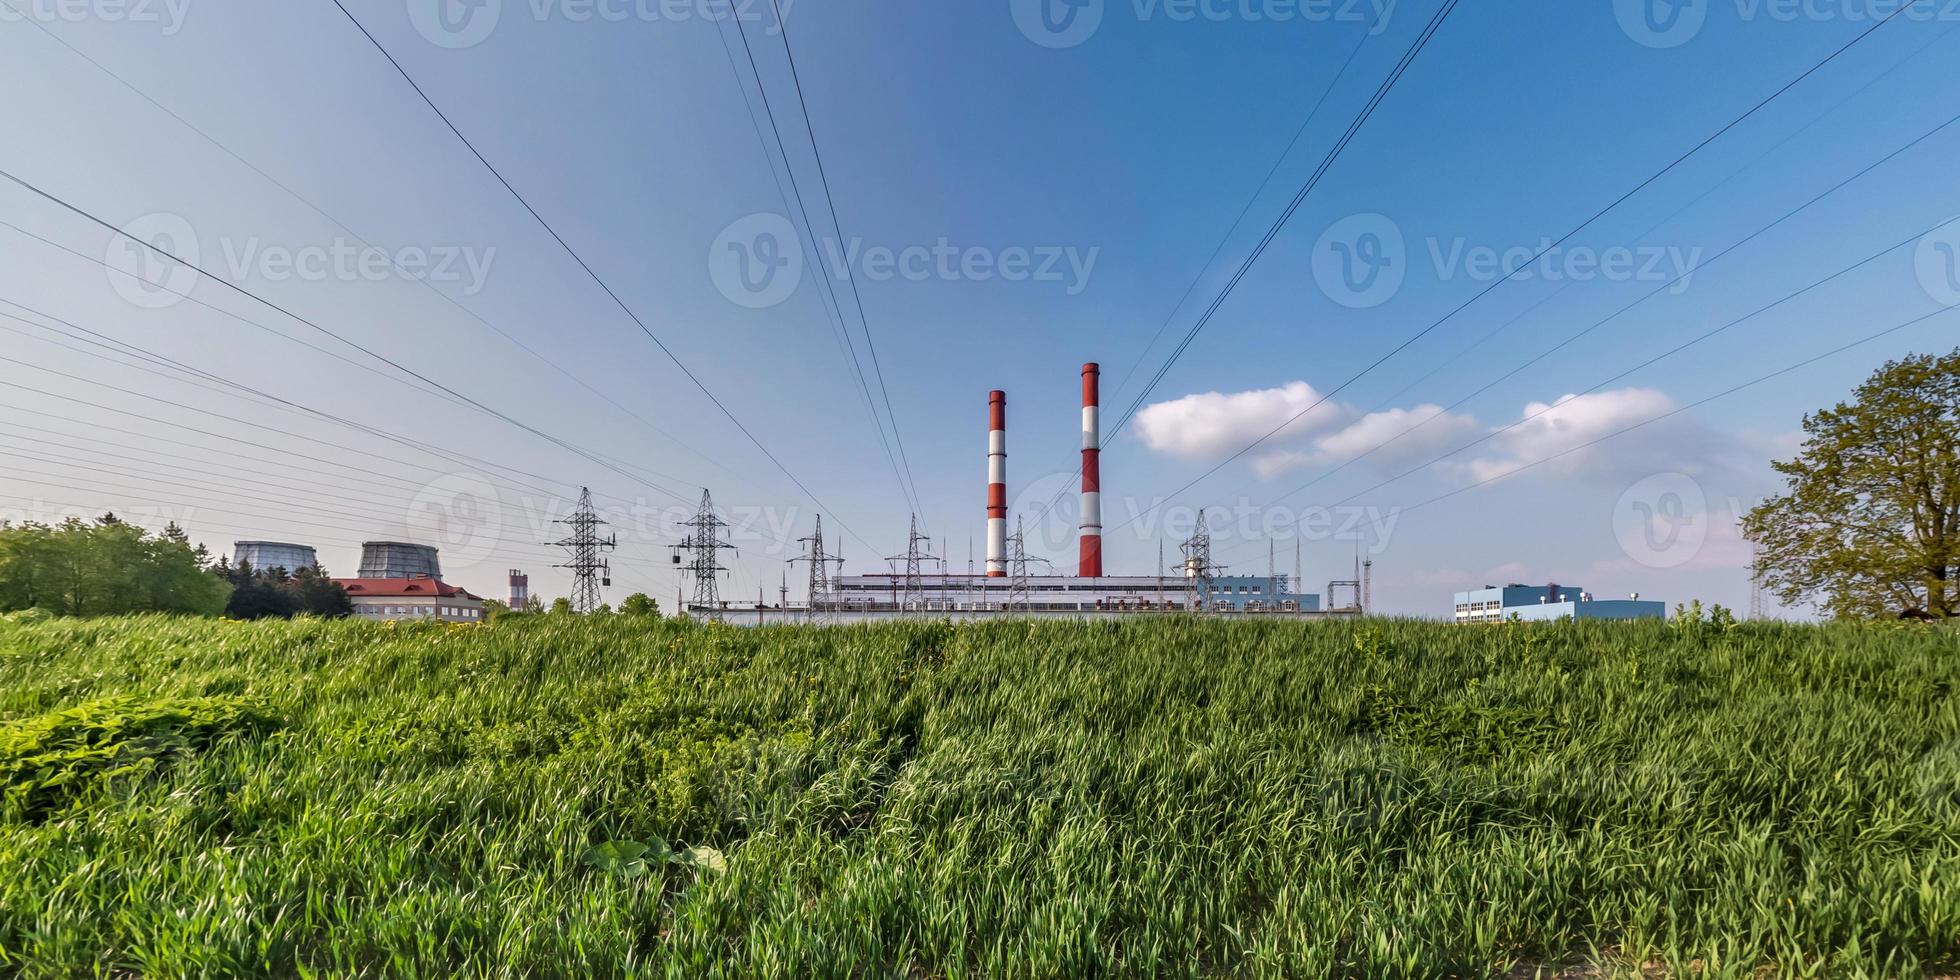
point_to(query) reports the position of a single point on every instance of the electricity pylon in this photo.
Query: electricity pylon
(1198, 569)
(704, 544)
(820, 570)
(589, 571)
(914, 598)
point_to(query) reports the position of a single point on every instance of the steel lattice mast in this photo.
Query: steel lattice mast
(1017, 563)
(705, 544)
(1198, 569)
(820, 564)
(914, 559)
(589, 571)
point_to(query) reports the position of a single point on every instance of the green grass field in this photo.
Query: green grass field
(1162, 797)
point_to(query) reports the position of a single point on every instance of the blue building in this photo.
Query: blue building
(1257, 593)
(1548, 603)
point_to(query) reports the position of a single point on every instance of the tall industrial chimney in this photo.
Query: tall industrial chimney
(997, 485)
(520, 589)
(1091, 565)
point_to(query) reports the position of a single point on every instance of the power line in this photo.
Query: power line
(357, 237)
(823, 182)
(1833, 352)
(1847, 270)
(1367, 111)
(589, 271)
(74, 209)
(906, 489)
(1527, 264)
(1381, 92)
(1271, 172)
(1787, 215)
(285, 404)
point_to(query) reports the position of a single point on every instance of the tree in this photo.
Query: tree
(1869, 523)
(105, 568)
(273, 594)
(561, 606)
(639, 604)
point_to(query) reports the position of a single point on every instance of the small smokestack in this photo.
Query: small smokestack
(1091, 565)
(520, 589)
(997, 485)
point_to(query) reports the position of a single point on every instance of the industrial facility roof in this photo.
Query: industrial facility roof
(401, 587)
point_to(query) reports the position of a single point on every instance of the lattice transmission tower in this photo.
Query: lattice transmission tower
(589, 570)
(1019, 588)
(915, 557)
(1198, 569)
(704, 544)
(820, 563)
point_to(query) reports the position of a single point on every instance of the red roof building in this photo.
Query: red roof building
(388, 599)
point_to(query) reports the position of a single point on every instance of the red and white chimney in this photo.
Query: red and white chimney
(997, 485)
(1091, 565)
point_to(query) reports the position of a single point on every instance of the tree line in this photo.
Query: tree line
(110, 567)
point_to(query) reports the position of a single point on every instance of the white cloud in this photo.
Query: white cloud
(1545, 431)
(1213, 424)
(1552, 439)
(1389, 439)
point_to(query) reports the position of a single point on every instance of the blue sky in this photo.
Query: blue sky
(1131, 151)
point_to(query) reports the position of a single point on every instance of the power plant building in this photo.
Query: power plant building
(399, 559)
(389, 599)
(1060, 593)
(274, 554)
(1547, 603)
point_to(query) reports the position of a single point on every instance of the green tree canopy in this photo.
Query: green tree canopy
(104, 568)
(639, 604)
(1869, 522)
